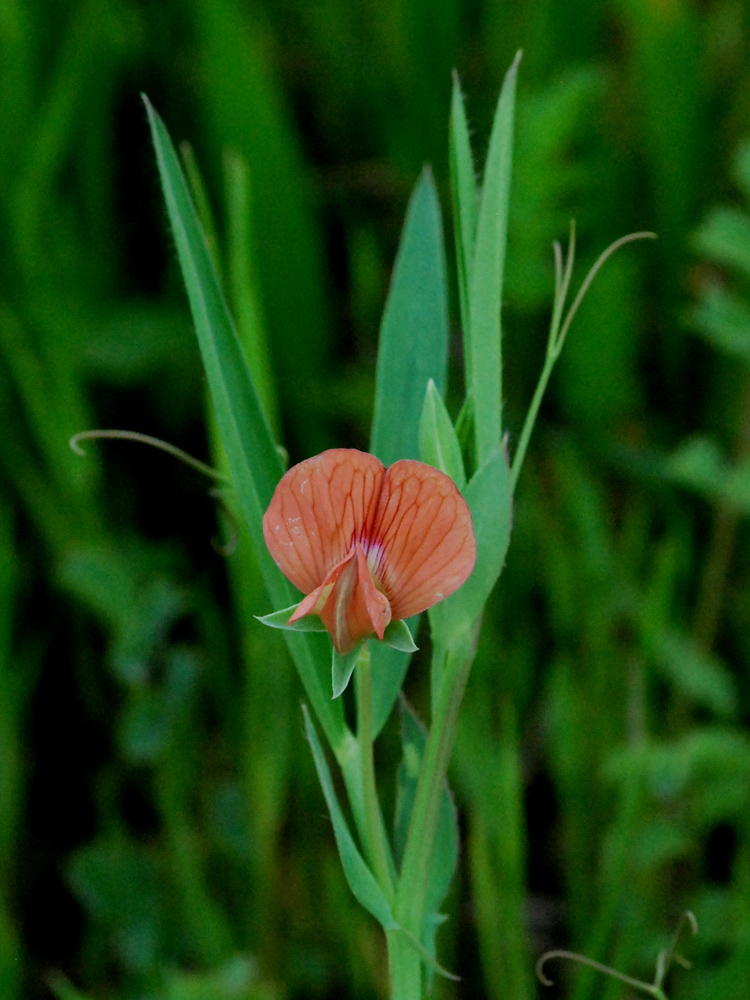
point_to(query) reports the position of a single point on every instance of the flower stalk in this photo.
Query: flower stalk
(378, 850)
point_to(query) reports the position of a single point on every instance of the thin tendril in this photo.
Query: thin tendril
(637, 984)
(557, 251)
(663, 962)
(596, 267)
(670, 955)
(170, 449)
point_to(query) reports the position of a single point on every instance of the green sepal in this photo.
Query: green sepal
(343, 665)
(438, 444)
(398, 636)
(280, 619)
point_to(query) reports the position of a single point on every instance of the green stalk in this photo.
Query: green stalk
(404, 966)
(378, 850)
(558, 330)
(409, 910)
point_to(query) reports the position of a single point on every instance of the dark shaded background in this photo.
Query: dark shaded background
(162, 834)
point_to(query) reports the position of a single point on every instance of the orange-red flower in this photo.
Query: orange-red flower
(366, 544)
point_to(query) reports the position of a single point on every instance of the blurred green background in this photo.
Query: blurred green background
(162, 834)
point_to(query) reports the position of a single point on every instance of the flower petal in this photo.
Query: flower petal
(319, 509)
(348, 602)
(422, 544)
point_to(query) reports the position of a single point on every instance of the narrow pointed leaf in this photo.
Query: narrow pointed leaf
(486, 285)
(253, 458)
(361, 880)
(438, 443)
(490, 499)
(465, 206)
(342, 669)
(413, 348)
(280, 619)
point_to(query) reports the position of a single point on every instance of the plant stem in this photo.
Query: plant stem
(528, 426)
(419, 843)
(405, 968)
(378, 850)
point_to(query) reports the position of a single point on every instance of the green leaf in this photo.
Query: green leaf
(201, 201)
(438, 443)
(280, 619)
(725, 238)
(413, 346)
(413, 349)
(699, 675)
(742, 168)
(465, 201)
(490, 499)
(466, 435)
(361, 880)
(483, 351)
(64, 990)
(342, 668)
(398, 636)
(445, 848)
(243, 107)
(253, 458)
(724, 319)
(235, 979)
(244, 292)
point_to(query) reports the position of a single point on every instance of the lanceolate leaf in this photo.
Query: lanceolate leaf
(486, 284)
(253, 459)
(438, 443)
(361, 880)
(413, 344)
(489, 496)
(465, 205)
(413, 349)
